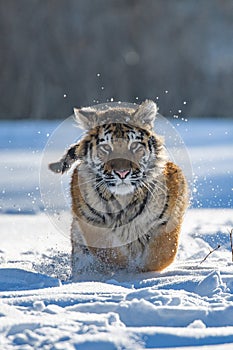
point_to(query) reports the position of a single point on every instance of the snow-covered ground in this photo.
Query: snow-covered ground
(189, 305)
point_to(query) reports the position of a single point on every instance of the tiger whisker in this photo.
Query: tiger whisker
(85, 182)
(99, 184)
(149, 189)
(154, 184)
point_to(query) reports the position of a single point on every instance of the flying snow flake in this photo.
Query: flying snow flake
(131, 57)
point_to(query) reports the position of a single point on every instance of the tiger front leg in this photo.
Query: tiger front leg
(162, 250)
(83, 266)
(164, 241)
(83, 262)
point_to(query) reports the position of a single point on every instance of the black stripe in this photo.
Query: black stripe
(152, 143)
(139, 138)
(86, 147)
(142, 206)
(127, 126)
(164, 208)
(90, 149)
(107, 127)
(98, 190)
(95, 212)
(87, 217)
(144, 239)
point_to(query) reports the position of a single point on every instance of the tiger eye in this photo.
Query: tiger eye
(104, 149)
(136, 147)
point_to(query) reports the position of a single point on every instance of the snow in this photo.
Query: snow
(187, 306)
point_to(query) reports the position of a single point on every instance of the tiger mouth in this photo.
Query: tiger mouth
(113, 179)
(122, 186)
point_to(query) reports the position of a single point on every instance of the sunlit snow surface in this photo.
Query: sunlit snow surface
(188, 305)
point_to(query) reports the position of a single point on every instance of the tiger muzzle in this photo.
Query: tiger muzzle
(121, 166)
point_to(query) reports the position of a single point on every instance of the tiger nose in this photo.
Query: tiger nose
(122, 173)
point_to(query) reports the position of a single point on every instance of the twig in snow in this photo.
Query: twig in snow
(213, 250)
(231, 239)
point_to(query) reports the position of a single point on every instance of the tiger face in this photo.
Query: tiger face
(121, 156)
(120, 151)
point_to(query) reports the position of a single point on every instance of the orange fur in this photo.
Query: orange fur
(162, 247)
(130, 222)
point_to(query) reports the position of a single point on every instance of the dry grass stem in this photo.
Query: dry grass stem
(213, 250)
(231, 239)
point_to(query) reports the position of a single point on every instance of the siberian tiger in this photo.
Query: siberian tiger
(128, 200)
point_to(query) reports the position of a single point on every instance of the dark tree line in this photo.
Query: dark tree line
(57, 54)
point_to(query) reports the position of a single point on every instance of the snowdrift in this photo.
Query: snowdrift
(188, 306)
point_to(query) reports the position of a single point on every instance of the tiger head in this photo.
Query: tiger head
(119, 150)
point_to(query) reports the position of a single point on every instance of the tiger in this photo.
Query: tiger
(128, 199)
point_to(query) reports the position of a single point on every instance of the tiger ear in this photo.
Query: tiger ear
(86, 117)
(66, 161)
(146, 113)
